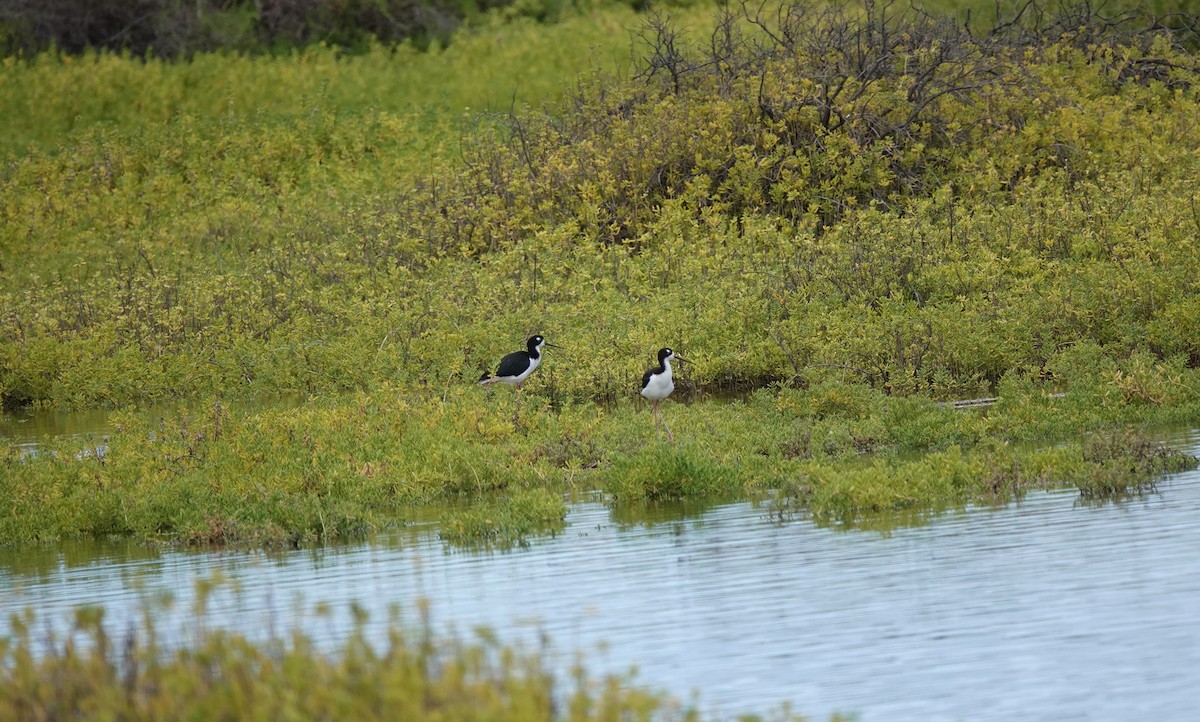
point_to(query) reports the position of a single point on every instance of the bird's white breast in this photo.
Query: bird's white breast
(660, 386)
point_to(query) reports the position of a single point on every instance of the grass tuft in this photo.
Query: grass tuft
(504, 522)
(667, 472)
(1125, 463)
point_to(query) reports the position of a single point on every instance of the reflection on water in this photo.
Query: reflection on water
(44, 563)
(27, 429)
(31, 426)
(1044, 609)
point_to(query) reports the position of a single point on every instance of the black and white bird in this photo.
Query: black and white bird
(657, 385)
(516, 366)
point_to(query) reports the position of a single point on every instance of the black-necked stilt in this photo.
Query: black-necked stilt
(516, 366)
(657, 385)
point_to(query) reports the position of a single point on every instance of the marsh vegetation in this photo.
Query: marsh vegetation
(860, 211)
(844, 216)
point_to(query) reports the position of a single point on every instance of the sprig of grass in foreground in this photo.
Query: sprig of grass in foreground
(406, 675)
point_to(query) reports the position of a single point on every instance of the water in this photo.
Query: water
(1047, 608)
(26, 429)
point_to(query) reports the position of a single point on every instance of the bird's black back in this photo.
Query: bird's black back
(513, 364)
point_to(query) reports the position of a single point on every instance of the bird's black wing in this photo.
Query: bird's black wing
(513, 364)
(646, 377)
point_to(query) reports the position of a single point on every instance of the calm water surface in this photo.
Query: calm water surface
(27, 429)
(1046, 609)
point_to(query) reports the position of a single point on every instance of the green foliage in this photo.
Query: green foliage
(180, 30)
(1124, 463)
(667, 473)
(405, 674)
(862, 213)
(139, 123)
(806, 115)
(309, 223)
(505, 522)
(495, 470)
(1110, 466)
(291, 476)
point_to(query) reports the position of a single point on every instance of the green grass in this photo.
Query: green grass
(505, 521)
(497, 471)
(52, 103)
(406, 674)
(346, 229)
(311, 224)
(1011, 218)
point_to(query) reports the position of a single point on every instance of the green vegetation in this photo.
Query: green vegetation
(180, 30)
(151, 121)
(409, 674)
(505, 520)
(843, 215)
(860, 210)
(966, 212)
(499, 470)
